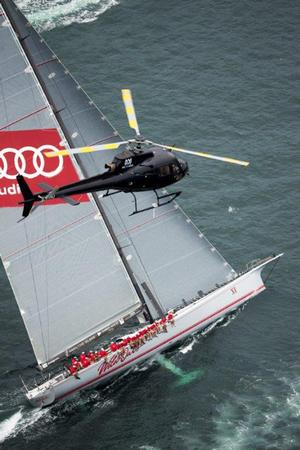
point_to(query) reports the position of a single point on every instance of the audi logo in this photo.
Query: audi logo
(20, 162)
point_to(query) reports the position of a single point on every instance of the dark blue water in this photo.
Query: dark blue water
(219, 76)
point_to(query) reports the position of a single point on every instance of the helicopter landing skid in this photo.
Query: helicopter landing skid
(171, 196)
(108, 194)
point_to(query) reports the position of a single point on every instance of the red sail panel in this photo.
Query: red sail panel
(23, 152)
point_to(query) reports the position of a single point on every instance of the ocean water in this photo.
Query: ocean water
(219, 76)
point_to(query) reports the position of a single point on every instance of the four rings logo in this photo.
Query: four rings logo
(20, 159)
(23, 152)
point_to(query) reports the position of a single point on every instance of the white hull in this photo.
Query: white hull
(188, 320)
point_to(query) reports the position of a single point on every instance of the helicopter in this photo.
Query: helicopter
(143, 166)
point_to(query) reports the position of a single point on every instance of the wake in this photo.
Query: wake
(8, 426)
(48, 14)
(19, 422)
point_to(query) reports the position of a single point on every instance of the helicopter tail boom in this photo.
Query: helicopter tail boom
(29, 198)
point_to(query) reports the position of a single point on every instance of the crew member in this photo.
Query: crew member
(113, 347)
(102, 353)
(170, 318)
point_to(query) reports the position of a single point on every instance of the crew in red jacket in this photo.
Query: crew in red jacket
(91, 356)
(102, 353)
(85, 362)
(170, 318)
(113, 347)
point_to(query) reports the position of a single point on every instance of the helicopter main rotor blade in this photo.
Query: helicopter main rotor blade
(204, 155)
(130, 111)
(94, 148)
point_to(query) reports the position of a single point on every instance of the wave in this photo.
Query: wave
(187, 346)
(260, 417)
(49, 14)
(233, 209)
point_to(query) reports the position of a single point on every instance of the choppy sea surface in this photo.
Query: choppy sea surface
(220, 76)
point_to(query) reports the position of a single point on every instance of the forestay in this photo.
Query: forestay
(163, 247)
(65, 271)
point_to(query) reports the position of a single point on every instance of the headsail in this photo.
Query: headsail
(64, 268)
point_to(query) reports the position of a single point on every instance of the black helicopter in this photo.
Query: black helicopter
(143, 166)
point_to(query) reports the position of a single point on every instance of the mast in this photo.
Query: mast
(22, 40)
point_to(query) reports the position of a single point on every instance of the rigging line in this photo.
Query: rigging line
(35, 291)
(46, 281)
(138, 255)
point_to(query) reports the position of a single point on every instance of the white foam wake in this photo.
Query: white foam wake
(49, 14)
(8, 426)
(20, 421)
(185, 348)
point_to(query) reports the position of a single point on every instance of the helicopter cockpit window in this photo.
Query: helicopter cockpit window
(164, 171)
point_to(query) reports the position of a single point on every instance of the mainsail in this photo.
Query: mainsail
(65, 271)
(63, 252)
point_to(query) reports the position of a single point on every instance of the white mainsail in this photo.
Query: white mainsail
(67, 276)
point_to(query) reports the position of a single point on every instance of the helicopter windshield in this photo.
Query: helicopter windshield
(183, 165)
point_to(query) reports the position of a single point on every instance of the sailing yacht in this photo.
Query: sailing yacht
(77, 273)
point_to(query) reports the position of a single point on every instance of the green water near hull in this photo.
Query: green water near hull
(183, 377)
